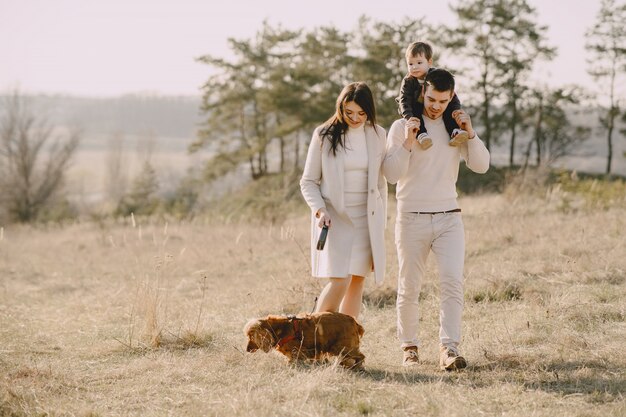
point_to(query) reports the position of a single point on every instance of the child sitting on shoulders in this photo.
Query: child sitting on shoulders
(419, 60)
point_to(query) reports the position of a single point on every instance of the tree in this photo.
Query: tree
(382, 63)
(503, 39)
(142, 197)
(282, 83)
(478, 37)
(304, 86)
(623, 131)
(606, 40)
(33, 161)
(522, 45)
(116, 176)
(241, 114)
(554, 135)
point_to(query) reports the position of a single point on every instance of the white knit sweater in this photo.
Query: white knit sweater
(355, 162)
(427, 178)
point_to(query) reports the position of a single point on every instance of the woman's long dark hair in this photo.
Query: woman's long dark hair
(334, 129)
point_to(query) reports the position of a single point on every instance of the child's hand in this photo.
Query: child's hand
(417, 123)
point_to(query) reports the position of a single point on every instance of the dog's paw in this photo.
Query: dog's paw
(348, 363)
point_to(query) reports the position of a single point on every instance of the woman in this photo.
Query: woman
(344, 186)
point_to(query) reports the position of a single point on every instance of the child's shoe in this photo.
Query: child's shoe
(458, 137)
(424, 141)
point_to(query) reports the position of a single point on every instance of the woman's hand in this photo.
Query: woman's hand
(324, 217)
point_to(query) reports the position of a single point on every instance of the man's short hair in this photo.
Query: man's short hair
(417, 48)
(440, 80)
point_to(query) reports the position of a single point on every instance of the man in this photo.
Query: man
(429, 217)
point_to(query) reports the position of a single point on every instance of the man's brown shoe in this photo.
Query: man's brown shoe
(410, 356)
(450, 359)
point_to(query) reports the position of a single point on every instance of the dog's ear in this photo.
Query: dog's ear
(269, 335)
(360, 329)
(276, 325)
(252, 347)
(251, 324)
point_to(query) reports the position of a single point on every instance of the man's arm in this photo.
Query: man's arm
(399, 141)
(474, 152)
(476, 155)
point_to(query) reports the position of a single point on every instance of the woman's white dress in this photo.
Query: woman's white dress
(355, 199)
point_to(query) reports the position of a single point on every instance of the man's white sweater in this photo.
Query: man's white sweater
(426, 179)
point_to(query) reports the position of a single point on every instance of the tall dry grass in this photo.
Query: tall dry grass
(145, 318)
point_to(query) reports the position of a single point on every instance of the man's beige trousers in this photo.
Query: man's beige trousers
(416, 236)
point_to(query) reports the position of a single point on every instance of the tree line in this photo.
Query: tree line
(282, 83)
(264, 103)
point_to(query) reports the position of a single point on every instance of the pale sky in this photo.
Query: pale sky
(114, 47)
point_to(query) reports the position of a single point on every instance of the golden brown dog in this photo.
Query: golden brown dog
(313, 336)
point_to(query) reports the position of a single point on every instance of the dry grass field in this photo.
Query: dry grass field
(145, 318)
